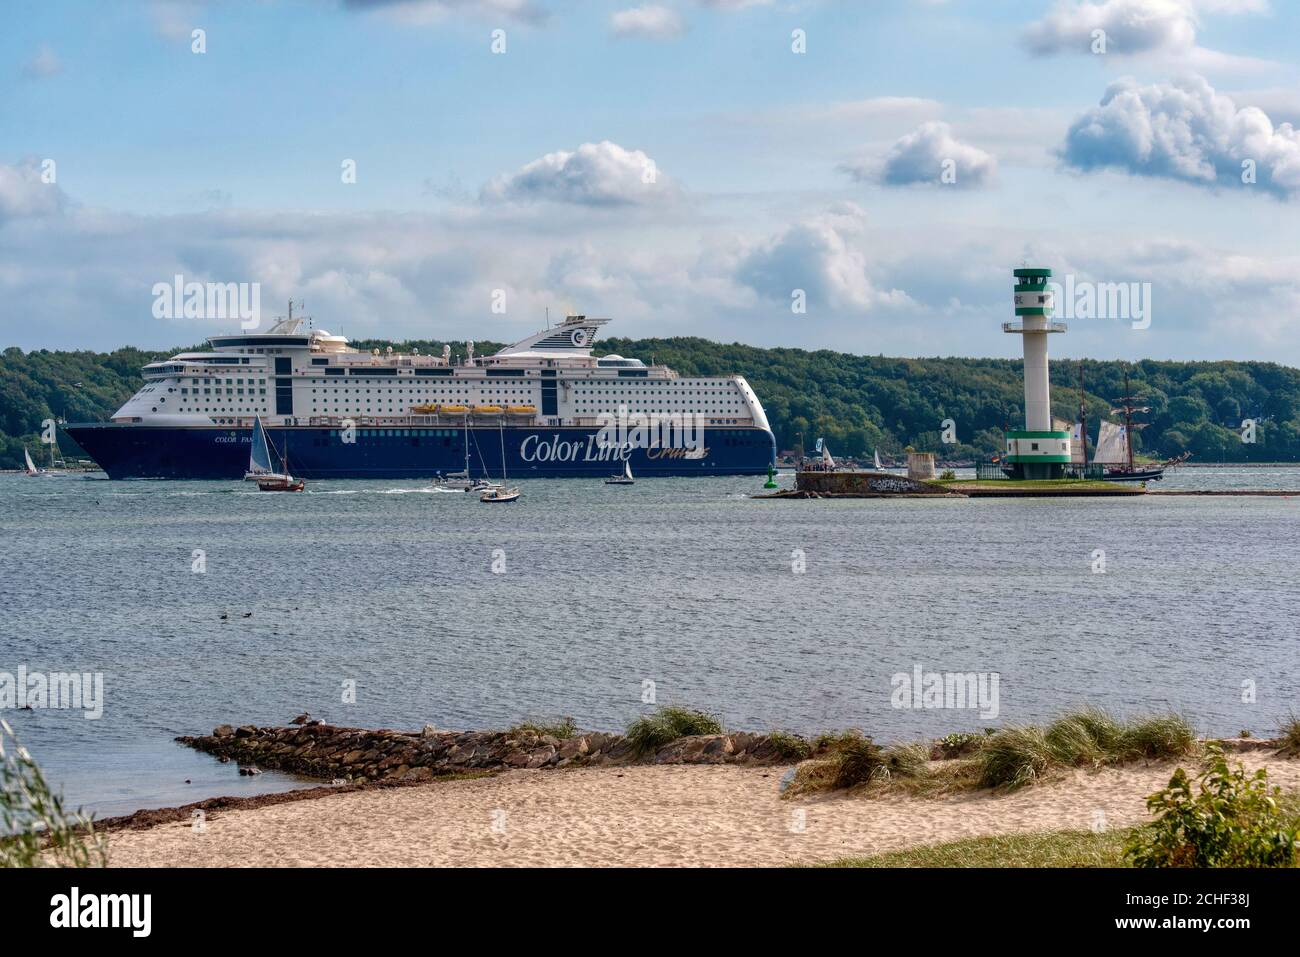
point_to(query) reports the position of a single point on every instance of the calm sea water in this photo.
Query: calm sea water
(688, 583)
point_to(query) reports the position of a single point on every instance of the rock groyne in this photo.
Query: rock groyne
(357, 754)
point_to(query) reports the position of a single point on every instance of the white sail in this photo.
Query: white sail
(1112, 445)
(259, 456)
(627, 469)
(1078, 449)
(31, 466)
(879, 467)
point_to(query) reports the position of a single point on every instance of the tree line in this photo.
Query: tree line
(859, 404)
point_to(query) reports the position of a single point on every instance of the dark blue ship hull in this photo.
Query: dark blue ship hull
(319, 452)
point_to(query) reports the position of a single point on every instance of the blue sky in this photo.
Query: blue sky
(774, 171)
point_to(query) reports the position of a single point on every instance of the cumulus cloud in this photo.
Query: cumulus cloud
(1184, 130)
(1130, 26)
(929, 155)
(651, 21)
(23, 193)
(822, 256)
(595, 174)
(1165, 29)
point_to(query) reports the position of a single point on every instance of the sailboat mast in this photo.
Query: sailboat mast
(1128, 421)
(501, 428)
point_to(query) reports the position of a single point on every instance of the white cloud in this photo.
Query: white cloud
(595, 174)
(24, 194)
(1130, 27)
(650, 21)
(822, 256)
(1161, 29)
(929, 155)
(44, 63)
(1184, 130)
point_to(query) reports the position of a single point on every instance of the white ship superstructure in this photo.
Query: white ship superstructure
(289, 376)
(338, 412)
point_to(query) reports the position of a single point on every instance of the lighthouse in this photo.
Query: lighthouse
(1038, 451)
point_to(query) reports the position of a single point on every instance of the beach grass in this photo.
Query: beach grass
(1006, 759)
(667, 724)
(790, 747)
(1044, 849)
(1021, 755)
(1288, 735)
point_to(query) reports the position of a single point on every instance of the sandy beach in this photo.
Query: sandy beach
(686, 815)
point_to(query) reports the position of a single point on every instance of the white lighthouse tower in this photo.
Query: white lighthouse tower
(1038, 451)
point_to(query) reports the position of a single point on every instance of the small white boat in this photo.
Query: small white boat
(625, 478)
(455, 482)
(879, 467)
(261, 470)
(499, 493)
(30, 468)
(460, 481)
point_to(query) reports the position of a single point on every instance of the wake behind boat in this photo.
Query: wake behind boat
(262, 471)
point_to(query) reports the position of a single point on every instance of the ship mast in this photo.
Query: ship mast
(1126, 408)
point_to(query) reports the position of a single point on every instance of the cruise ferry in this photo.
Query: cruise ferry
(334, 411)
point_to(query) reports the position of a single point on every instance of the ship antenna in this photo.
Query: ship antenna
(548, 318)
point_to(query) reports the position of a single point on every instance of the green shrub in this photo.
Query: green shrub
(960, 744)
(562, 728)
(947, 475)
(668, 724)
(1234, 821)
(37, 831)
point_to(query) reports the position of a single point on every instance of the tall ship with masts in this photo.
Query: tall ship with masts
(553, 406)
(1113, 455)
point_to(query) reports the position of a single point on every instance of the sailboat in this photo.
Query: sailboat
(500, 493)
(1115, 447)
(262, 471)
(625, 478)
(459, 481)
(879, 467)
(30, 468)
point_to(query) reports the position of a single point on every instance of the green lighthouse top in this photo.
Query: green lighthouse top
(1031, 273)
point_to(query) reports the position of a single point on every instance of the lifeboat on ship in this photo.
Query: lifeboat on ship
(487, 410)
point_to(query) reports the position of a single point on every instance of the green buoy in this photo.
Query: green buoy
(771, 476)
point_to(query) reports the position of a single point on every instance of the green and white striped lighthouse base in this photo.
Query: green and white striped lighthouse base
(1038, 455)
